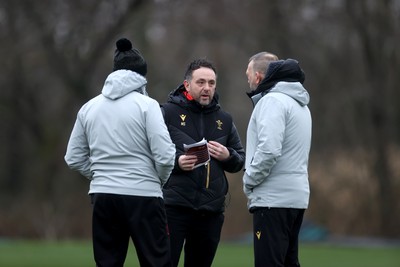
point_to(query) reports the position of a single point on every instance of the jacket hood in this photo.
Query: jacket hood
(279, 71)
(284, 76)
(122, 82)
(294, 90)
(178, 97)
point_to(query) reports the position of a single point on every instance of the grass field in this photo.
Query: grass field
(79, 254)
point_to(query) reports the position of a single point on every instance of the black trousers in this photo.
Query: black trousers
(117, 218)
(198, 231)
(276, 236)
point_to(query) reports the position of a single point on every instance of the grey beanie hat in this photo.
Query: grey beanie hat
(128, 58)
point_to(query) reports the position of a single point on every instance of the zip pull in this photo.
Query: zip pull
(207, 165)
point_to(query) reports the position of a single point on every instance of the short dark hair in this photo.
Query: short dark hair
(197, 64)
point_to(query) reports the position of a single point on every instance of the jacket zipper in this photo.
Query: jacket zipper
(207, 166)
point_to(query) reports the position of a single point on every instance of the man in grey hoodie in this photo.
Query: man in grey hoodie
(120, 143)
(277, 152)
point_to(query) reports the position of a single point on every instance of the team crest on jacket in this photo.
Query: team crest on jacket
(183, 117)
(219, 124)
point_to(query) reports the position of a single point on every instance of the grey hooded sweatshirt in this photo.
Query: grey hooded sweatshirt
(278, 146)
(120, 141)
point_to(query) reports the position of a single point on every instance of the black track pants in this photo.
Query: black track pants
(116, 218)
(276, 233)
(198, 231)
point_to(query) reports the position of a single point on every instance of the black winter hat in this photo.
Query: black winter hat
(128, 58)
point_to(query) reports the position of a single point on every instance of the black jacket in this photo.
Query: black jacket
(189, 122)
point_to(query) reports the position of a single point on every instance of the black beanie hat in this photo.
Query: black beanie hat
(128, 58)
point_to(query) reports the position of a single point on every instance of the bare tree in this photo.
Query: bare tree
(59, 46)
(56, 55)
(376, 26)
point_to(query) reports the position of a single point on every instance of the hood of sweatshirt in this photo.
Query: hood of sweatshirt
(293, 89)
(122, 82)
(283, 76)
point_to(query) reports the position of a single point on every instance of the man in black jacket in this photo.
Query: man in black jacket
(195, 196)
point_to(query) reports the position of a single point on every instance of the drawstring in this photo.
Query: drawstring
(208, 174)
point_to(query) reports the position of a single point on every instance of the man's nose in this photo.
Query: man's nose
(208, 86)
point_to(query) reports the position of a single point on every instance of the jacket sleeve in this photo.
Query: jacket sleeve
(179, 151)
(236, 158)
(270, 132)
(77, 155)
(162, 148)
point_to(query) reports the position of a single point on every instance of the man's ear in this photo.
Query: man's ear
(186, 84)
(259, 77)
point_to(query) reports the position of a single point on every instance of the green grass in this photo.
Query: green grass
(79, 254)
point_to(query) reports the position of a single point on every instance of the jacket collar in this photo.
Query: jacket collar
(179, 97)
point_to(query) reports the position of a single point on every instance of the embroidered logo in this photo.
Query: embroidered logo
(183, 117)
(219, 124)
(258, 234)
